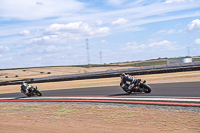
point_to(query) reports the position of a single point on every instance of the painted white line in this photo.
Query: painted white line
(175, 82)
(112, 98)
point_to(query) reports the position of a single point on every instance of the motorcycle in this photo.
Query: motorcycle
(32, 91)
(139, 87)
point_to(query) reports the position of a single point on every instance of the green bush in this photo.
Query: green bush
(49, 73)
(85, 71)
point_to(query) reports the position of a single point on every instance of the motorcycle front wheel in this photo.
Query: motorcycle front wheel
(146, 88)
(38, 93)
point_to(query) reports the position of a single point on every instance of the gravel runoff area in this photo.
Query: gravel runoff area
(62, 117)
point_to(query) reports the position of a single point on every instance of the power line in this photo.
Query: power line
(188, 51)
(88, 54)
(100, 57)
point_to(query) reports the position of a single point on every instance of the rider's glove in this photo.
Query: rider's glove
(137, 81)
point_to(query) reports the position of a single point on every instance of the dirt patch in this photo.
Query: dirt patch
(85, 118)
(152, 78)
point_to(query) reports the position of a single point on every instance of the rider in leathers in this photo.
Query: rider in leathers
(133, 81)
(25, 87)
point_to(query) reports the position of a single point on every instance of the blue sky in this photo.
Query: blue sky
(53, 33)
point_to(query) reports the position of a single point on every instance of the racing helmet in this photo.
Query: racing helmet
(23, 82)
(122, 75)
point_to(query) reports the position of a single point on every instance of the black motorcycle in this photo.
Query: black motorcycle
(139, 87)
(32, 91)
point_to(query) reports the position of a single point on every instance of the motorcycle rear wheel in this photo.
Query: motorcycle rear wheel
(29, 94)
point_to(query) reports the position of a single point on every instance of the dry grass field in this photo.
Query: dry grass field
(27, 73)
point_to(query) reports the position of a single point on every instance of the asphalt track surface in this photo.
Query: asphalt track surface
(181, 89)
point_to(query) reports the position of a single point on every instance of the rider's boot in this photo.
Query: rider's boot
(26, 92)
(130, 88)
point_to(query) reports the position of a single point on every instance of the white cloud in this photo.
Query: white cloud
(161, 31)
(162, 45)
(120, 21)
(99, 22)
(77, 28)
(43, 50)
(24, 33)
(53, 48)
(3, 49)
(171, 31)
(34, 9)
(5, 59)
(177, 1)
(103, 41)
(193, 26)
(174, 1)
(60, 33)
(44, 40)
(164, 48)
(116, 2)
(132, 44)
(197, 41)
(38, 59)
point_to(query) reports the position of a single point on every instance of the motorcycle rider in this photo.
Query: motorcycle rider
(133, 81)
(25, 87)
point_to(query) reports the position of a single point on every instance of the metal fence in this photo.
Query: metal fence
(119, 71)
